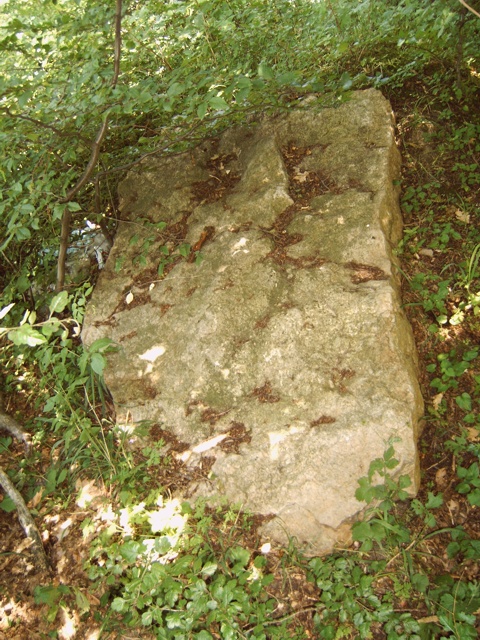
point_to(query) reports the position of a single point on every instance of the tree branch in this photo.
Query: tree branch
(24, 515)
(96, 147)
(469, 8)
(26, 520)
(9, 424)
(39, 123)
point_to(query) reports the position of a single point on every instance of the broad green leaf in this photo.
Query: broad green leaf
(26, 334)
(82, 601)
(23, 233)
(50, 594)
(264, 71)
(175, 89)
(147, 618)
(202, 109)
(58, 210)
(22, 284)
(464, 401)
(345, 81)
(239, 554)
(209, 569)
(100, 345)
(119, 605)
(7, 504)
(58, 303)
(98, 363)
(24, 98)
(474, 497)
(130, 551)
(50, 327)
(218, 103)
(184, 249)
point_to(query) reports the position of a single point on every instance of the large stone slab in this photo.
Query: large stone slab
(285, 356)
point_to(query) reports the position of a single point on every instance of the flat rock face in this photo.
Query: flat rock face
(284, 357)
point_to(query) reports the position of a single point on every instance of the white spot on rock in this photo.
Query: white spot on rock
(151, 355)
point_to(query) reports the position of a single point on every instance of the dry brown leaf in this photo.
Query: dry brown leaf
(436, 400)
(35, 501)
(428, 619)
(426, 252)
(473, 435)
(453, 506)
(300, 176)
(441, 477)
(462, 216)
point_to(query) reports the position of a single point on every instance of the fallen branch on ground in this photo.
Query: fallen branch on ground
(24, 515)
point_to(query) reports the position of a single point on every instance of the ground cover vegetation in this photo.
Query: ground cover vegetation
(78, 106)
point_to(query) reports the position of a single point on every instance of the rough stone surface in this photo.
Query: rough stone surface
(285, 353)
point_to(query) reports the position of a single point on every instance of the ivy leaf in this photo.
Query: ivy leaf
(434, 501)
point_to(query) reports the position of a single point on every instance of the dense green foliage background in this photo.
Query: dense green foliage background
(188, 69)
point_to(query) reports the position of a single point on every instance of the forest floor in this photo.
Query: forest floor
(436, 233)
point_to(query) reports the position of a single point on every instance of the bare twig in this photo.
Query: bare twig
(299, 612)
(184, 136)
(469, 8)
(62, 251)
(91, 163)
(39, 123)
(96, 147)
(335, 17)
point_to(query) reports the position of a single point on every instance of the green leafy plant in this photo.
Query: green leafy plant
(350, 604)
(160, 569)
(451, 367)
(188, 70)
(470, 483)
(53, 597)
(32, 333)
(457, 603)
(380, 525)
